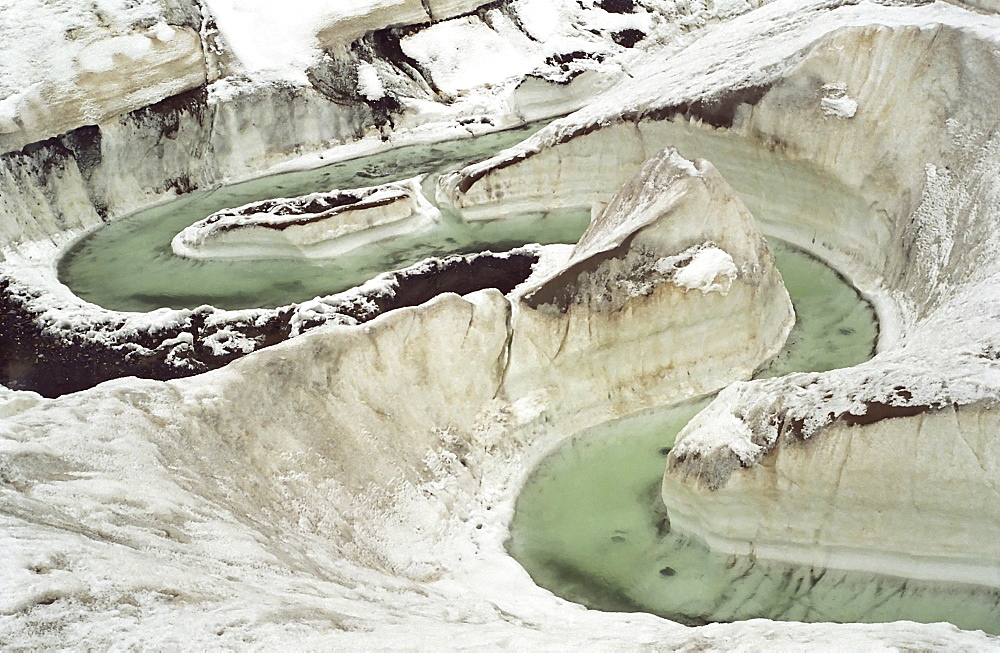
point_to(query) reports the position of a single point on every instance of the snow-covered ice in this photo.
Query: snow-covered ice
(704, 270)
(318, 225)
(352, 487)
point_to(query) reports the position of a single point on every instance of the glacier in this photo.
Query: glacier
(318, 225)
(352, 485)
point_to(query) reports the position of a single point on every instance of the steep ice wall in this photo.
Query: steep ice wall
(922, 149)
(580, 170)
(158, 152)
(138, 505)
(296, 483)
(929, 476)
(55, 343)
(54, 190)
(294, 497)
(345, 27)
(373, 461)
(65, 65)
(177, 110)
(128, 104)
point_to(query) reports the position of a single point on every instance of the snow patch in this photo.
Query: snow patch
(837, 103)
(711, 270)
(369, 84)
(465, 53)
(274, 40)
(226, 341)
(103, 55)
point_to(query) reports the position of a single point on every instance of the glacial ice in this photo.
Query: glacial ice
(590, 527)
(318, 225)
(292, 496)
(567, 350)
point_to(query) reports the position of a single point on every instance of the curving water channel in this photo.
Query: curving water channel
(129, 265)
(590, 525)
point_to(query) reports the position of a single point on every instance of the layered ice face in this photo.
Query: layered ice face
(672, 257)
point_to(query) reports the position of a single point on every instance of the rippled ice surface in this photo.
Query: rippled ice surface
(590, 525)
(129, 266)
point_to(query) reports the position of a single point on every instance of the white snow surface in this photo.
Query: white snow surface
(279, 41)
(705, 269)
(465, 53)
(369, 84)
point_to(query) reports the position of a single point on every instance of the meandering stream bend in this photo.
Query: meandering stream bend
(589, 525)
(129, 265)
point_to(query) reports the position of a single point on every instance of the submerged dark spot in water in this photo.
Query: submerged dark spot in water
(668, 571)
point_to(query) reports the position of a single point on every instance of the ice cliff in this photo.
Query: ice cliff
(674, 259)
(900, 434)
(908, 141)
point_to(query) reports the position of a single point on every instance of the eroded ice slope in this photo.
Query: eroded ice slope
(318, 225)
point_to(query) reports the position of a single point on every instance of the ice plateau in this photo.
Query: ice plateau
(345, 476)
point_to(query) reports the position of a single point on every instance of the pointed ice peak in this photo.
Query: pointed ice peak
(676, 222)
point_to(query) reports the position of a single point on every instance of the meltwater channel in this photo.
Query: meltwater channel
(590, 525)
(129, 265)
